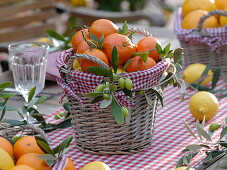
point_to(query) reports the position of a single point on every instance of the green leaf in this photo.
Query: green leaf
(197, 128)
(189, 130)
(208, 158)
(55, 35)
(199, 87)
(20, 114)
(31, 94)
(101, 39)
(115, 59)
(130, 36)
(97, 99)
(215, 78)
(204, 74)
(167, 49)
(223, 133)
(5, 84)
(116, 111)
(203, 133)
(224, 144)
(105, 103)
(67, 107)
(125, 28)
(159, 48)
(111, 75)
(142, 55)
(49, 159)
(6, 95)
(93, 37)
(100, 71)
(180, 162)
(193, 147)
(39, 118)
(127, 92)
(177, 55)
(8, 108)
(14, 122)
(223, 167)
(63, 145)
(3, 113)
(94, 94)
(45, 147)
(159, 94)
(41, 100)
(148, 99)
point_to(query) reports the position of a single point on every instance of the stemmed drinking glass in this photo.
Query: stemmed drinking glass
(28, 62)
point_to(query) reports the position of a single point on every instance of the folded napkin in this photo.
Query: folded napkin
(52, 72)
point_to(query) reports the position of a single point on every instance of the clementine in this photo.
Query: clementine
(32, 160)
(123, 44)
(221, 4)
(84, 63)
(138, 64)
(103, 27)
(78, 38)
(83, 46)
(24, 145)
(22, 167)
(6, 145)
(147, 44)
(70, 165)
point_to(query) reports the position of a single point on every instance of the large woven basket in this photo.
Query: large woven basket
(207, 46)
(95, 130)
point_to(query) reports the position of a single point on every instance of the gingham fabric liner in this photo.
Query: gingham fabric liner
(83, 83)
(169, 138)
(217, 36)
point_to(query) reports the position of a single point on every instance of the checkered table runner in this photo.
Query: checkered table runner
(169, 138)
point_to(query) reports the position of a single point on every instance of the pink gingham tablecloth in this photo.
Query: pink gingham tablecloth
(169, 138)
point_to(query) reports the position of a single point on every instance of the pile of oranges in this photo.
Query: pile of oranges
(24, 155)
(102, 36)
(193, 10)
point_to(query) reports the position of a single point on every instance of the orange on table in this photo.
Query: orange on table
(149, 43)
(22, 167)
(84, 63)
(78, 38)
(70, 165)
(103, 27)
(191, 20)
(32, 160)
(221, 4)
(83, 46)
(24, 145)
(6, 145)
(123, 44)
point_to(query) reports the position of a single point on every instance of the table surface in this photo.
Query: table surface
(52, 104)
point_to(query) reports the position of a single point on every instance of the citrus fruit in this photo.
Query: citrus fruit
(103, 27)
(184, 168)
(83, 46)
(123, 44)
(193, 72)
(203, 104)
(192, 5)
(45, 40)
(214, 126)
(70, 165)
(221, 4)
(26, 144)
(191, 20)
(22, 167)
(6, 145)
(96, 165)
(32, 160)
(84, 63)
(223, 19)
(78, 38)
(149, 43)
(78, 2)
(6, 162)
(76, 65)
(138, 64)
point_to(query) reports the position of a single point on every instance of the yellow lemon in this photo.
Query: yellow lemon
(78, 2)
(221, 4)
(45, 40)
(6, 162)
(76, 65)
(193, 72)
(203, 104)
(96, 165)
(191, 20)
(119, 70)
(183, 168)
(192, 5)
(22, 167)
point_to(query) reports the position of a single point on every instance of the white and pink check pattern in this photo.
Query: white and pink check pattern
(169, 138)
(217, 37)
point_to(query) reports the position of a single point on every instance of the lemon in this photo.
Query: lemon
(193, 73)
(119, 70)
(183, 168)
(203, 104)
(6, 162)
(96, 165)
(45, 40)
(78, 2)
(76, 65)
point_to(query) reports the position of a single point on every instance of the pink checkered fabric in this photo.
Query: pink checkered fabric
(61, 164)
(83, 83)
(217, 37)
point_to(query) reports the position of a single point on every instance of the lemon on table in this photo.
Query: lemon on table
(183, 168)
(45, 40)
(6, 162)
(96, 165)
(194, 72)
(203, 104)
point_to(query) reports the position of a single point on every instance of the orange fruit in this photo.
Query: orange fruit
(82, 47)
(32, 160)
(223, 19)
(149, 43)
(221, 4)
(6, 145)
(24, 145)
(138, 64)
(84, 63)
(123, 44)
(191, 20)
(22, 167)
(103, 27)
(70, 165)
(78, 38)
(193, 5)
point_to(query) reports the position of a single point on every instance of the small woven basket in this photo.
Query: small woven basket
(96, 131)
(207, 46)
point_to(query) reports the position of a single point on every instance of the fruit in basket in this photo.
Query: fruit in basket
(223, 20)
(103, 27)
(84, 63)
(6, 162)
(76, 65)
(191, 20)
(221, 4)
(96, 165)
(33, 160)
(193, 73)
(203, 104)
(121, 82)
(6, 145)
(137, 64)
(149, 43)
(78, 37)
(192, 5)
(26, 144)
(184, 168)
(123, 44)
(128, 84)
(22, 167)
(83, 46)
(78, 2)
(70, 165)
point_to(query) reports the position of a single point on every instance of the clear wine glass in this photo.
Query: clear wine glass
(28, 62)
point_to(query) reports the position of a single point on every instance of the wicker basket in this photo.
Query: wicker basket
(96, 131)
(202, 52)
